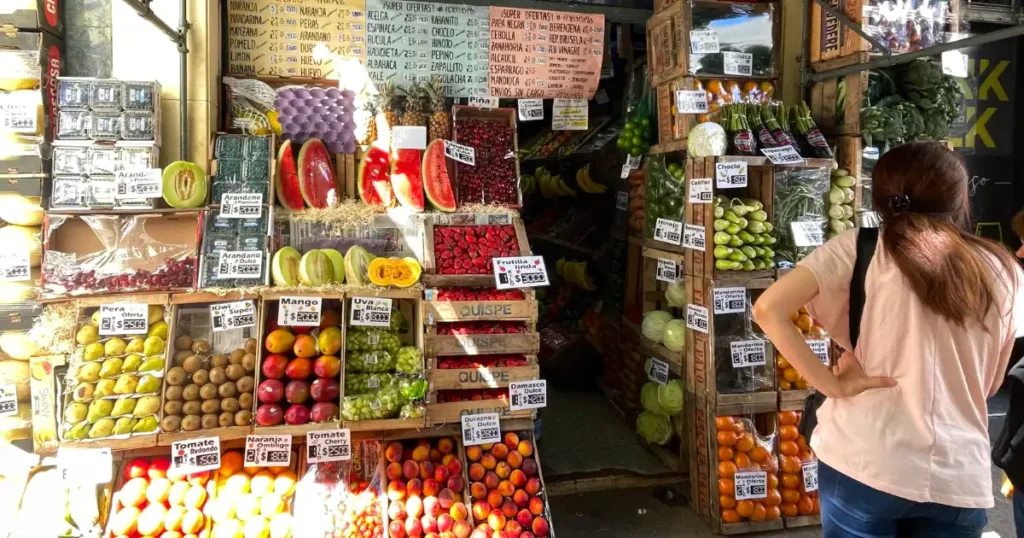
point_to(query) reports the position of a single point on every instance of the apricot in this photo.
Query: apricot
(394, 471)
(454, 466)
(473, 453)
(478, 490)
(421, 453)
(503, 470)
(496, 520)
(435, 455)
(446, 445)
(476, 472)
(494, 498)
(462, 529)
(540, 527)
(455, 483)
(481, 509)
(506, 489)
(512, 529)
(524, 518)
(499, 451)
(514, 459)
(521, 498)
(511, 440)
(446, 498)
(410, 470)
(430, 488)
(509, 509)
(458, 512)
(441, 474)
(491, 480)
(426, 470)
(536, 506)
(393, 453)
(518, 478)
(525, 448)
(489, 461)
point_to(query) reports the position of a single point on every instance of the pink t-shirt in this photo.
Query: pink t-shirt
(925, 440)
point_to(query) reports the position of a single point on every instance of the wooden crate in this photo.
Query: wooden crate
(632, 299)
(271, 169)
(833, 117)
(830, 39)
(668, 43)
(346, 167)
(433, 437)
(501, 115)
(432, 278)
(484, 377)
(439, 414)
(673, 127)
(654, 299)
(437, 311)
(527, 343)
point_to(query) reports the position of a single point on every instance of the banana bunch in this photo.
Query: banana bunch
(586, 183)
(575, 273)
(527, 184)
(552, 186)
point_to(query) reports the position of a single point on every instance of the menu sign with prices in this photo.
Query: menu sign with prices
(667, 270)
(658, 371)
(730, 300)
(700, 190)
(139, 184)
(299, 311)
(807, 233)
(782, 155)
(85, 465)
(810, 472)
(527, 395)
(196, 455)
(294, 39)
(328, 445)
(738, 63)
(820, 349)
(569, 115)
(8, 400)
(236, 315)
(15, 266)
(747, 353)
(668, 231)
(410, 41)
(241, 205)
(480, 429)
(458, 152)
(240, 264)
(537, 53)
(697, 318)
(370, 312)
(123, 318)
(531, 109)
(731, 175)
(693, 237)
(268, 450)
(704, 41)
(520, 272)
(751, 485)
(691, 102)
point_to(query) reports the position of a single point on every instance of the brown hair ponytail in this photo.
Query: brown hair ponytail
(920, 190)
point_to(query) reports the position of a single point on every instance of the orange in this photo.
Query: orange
(759, 454)
(772, 513)
(802, 443)
(789, 448)
(785, 385)
(724, 453)
(759, 512)
(773, 498)
(745, 508)
(715, 86)
(804, 322)
(788, 509)
(783, 364)
(723, 423)
(805, 506)
(726, 502)
(727, 487)
(726, 438)
(790, 496)
(806, 455)
(770, 465)
(738, 426)
(817, 506)
(788, 433)
(741, 460)
(726, 469)
(791, 464)
(745, 443)
(790, 481)
(231, 462)
(801, 384)
(773, 481)
(791, 375)
(730, 516)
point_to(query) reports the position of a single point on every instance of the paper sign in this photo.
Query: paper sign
(747, 353)
(19, 112)
(124, 318)
(569, 115)
(299, 311)
(697, 318)
(701, 190)
(668, 231)
(236, 315)
(731, 175)
(329, 445)
(703, 42)
(409, 137)
(268, 450)
(84, 465)
(8, 400)
(820, 349)
(622, 201)
(954, 64)
(810, 471)
(241, 205)
(634, 161)
(751, 485)
(139, 184)
(807, 233)
(527, 394)
(531, 109)
(519, 272)
(15, 266)
(482, 101)
(691, 102)
(730, 300)
(240, 264)
(782, 155)
(458, 152)
(480, 429)
(370, 312)
(693, 237)
(196, 455)
(625, 171)
(667, 270)
(738, 63)
(658, 371)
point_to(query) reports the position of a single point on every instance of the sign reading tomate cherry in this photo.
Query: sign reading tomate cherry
(520, 272)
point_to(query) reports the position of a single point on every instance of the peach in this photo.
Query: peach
(499, 451)
(421, 453)
(446, 445)
(514, 459)
(430, 487)
(529, 467)
(426, 470)
(473, 453)
(394, 471)
(532, 486)
(495, 499)
(157, 491)
(524, 518)
(461, 529)
(488, 461)
(441, 474)
(496, 520)
(446, 498)
(447, 458)
(512, 529)
(396, 490)
(518, 478)
(413, 527)
(525, 448)
(511, 440)
(396, 530)
(536, 506)
(481, 533)
(414, 507)
(521, 498)
(396, 510)
(540, 527)
(455, 483)
(410, 470)
(435, 455)
(506, 489)
(454, 466)
(491, 480)
(458, 512)
(423, 443)
(503, 470)
(414, 487)
(431, 507)
(499, 534)
(407, 454)
(393, 453)
(486, 447)
(445, 522)
(478, 490)
(476, 472)
(508, 508)
(527, 534)
(429, 523)
(480, 510)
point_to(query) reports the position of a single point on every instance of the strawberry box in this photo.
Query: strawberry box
(448, 406)
(481, 372)
(481, 338)
(461, 254)
(469, 304)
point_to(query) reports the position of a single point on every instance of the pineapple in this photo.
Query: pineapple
(415, 106)
(371, 124)
(388, 105)
(440, 119)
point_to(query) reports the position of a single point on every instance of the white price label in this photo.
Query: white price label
(483, 102)
(530, 109)
(810, 470)
(458, 152)
(480, 429)
(820, 349)
(268, 450)
(634, 161)
(241, 205)
(668, 231)
(409, 137)
(697, 318)
(8, 400)
(658, 371)
(527, 395)
(704, 41)
(520, 272)
(370, 312)
(782, 155)
(19, 114)
(693, 237)
(731, 175)
(236, 315)
(15, 266)
(329, 445)
(196, 455)
(622, 201)
(701, 190)
(299, 311)
(730, 300)
(139, 184)
(807, 233)
(691, 102)
(738, 63)
(625, 171)
(748, 353)
(85, 465)
(954, 64)
(569, 115)
(240, 264)
(667, 270)
(123, 318)
(751, 485)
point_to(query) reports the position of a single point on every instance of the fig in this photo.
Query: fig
(184, 185)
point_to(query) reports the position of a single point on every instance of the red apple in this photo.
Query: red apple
(296, 392)
(325, 390)
(274, 365)
(270, 391)
(136, 468)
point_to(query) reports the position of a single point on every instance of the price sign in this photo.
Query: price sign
(738, 63)
(751, 485)
(299, 311)
(409, 137)
(196, 455)
(622, 199)
(820, 349)
(329, 445)
(730, 300)
(700, 190)
(241, 205)
(668, 231)
(483, 102)
(569, 115)
(370, 312)
(84, 465)
(634, 161)
(530, 109)
(18, 113)
(667, 270)
(810, 470)
(528, 394)
(697, 318)
(658, 371)
(480, 429)
(691, 102)
(782, 155)
(703, 42)
(693, 237)
(520, 272)
(268, 450)
(731, 175)
(123, 318)
(458, 152)
(954, 64)
(807, 233)
(240, 264)
(748, 353)
(8, 400)
(15, 266)
(139, 184)
(625, 171)
(236, 315)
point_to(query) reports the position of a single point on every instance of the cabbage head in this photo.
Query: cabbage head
(676, 294)
(654, 428)
(670, 397)
(675, 335)
(706, 139)
(653, 325)
(649, 398)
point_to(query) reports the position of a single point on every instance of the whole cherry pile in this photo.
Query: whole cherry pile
(467, 250)
(481, 327)
(494, 178)
(471, 294)
(172, 274)
(471, 395)
(483, 361)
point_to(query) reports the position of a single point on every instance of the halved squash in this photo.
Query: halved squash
(394, 272)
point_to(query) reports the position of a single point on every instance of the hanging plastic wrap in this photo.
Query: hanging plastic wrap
(343, 498)
(665, 193)
(745, 39)
(739, 369)
(800, 195)
(745, 458)
(911, 25)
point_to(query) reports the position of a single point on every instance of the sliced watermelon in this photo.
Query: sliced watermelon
(406, 178)
(316, 176)
(289, 194)
(375, 177)
(436, 183)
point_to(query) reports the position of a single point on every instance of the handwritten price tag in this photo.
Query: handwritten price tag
(738, 63)
(520, 272)
(531, 109)
(196, 455)
(241, 205)
(691, 102)
(268, 450)
(8, 400)
(807, 233)
(236, 315)
(701, 190)
(658, 371)
(480, 429)
(668, 231)
(730, 300)
(703, 42)
(751, 485)
(693, 237)
(458, 152)
(731, 175)
(123, 318)
(15, 266)
(569, 115)
(527, 395)
(782, 155)
(810, 471)
(697, 318)
(820, 349)
(667, 270)
(370, 312)
(330, 445)
(299, 311)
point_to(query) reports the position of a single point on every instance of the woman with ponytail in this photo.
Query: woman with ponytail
(902, 438)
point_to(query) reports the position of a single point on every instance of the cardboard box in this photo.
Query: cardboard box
(38, 59)
(35, 15)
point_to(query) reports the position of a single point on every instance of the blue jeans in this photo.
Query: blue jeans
(1018, 512)
(850, 509)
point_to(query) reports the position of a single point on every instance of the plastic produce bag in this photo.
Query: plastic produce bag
(796, 460)
(911, 25)
(385, 403)
(816, 337)
(800, 195)
(494, 179)
(750, 473)
(738, 369)
(744, 35)
(665, 192)
(342, 499)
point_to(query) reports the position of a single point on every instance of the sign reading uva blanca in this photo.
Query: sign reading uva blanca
(545, 54)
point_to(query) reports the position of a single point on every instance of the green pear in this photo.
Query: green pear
(158, 329)
(104, 388)
(155, 364)
(89, 372)
(114, 347)
(123, 426)
(126, 384)
(148, 405)
(75, 412)
(102, 428)
(148, 385)
(154, 346)
(111, 367)
(124, 406)
(135, 346)
(78, 431)
(88, 334)
(131, 363)
(145, 425)
(95, 319)
(83, 392)
(156, 313)
(93, 351)
(99, 409)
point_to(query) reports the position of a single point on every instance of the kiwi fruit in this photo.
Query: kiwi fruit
(229, 404)
(246, 384)
(249, 362)
(201, 347)
(175, 376)
(220, 360)
(172, 408)
(210, 406)
(173, 393)
(192, 364)
(171, 423)
(190, 393)
(201, 377)
(209, 421)
(180, 356)
(226, 419)
(192, 408)
(208, 391)
(245, 400)
(243, 418)
(236, 356)
(217, 375)
(227, 390)
(191, 423)
(183, 343)
(251, 346)
(235, 372)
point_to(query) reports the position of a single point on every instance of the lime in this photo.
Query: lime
(644, 121)
(622, 143)
(636, 140)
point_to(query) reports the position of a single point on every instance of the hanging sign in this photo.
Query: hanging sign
(666, 270)
(751, 485)
(700, 190)
(658, 371)
(738, 63)
(668, 231)
(820, 349)
(782, 155)
(731, 174)
(807, 233)
(697, 318)
(730, 300)
(240, 264)
(569, 115)
(748, 353)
